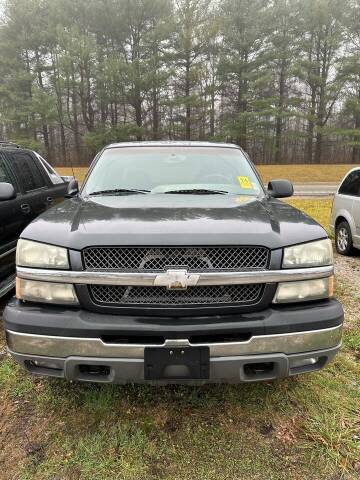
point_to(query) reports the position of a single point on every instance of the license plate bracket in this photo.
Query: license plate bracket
(167, 363)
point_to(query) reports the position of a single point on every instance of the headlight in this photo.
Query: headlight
(41, 255)
(46, 292)
(305, 290)
(312, 254)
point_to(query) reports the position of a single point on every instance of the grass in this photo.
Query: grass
(319, 209)
(294, 173)
(73, 431)
(305, 173)
(302, 427)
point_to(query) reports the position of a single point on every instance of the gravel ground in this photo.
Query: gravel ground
(348, 269)
(347, 274)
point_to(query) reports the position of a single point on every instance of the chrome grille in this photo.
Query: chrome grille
(218, 294)
(161, 258)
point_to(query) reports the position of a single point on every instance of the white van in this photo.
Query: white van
(345, 215)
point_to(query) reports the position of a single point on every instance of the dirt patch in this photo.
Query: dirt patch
(11, 454)
(23, 436)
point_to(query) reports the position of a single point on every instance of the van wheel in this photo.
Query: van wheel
(343, 239)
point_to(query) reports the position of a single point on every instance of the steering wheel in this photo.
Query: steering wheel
(215, 177)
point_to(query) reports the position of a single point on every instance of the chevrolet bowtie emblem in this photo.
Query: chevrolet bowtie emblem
(176, 279)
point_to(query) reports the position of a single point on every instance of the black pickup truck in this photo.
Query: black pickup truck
(173, 264)
(28, 186)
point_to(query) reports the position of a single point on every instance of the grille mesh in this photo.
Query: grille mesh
(160, 258)
(219, 294)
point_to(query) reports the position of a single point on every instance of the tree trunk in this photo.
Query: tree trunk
(85, 98)
(318, 147)
(321, 113)
(241, 139)
(57, 85)
(44, 126)
(187, 99)
(212, 108)
(29, 85)
(242, 103)
(279, 120)
(75, 122)
(310, 128)
(138, 112)
(355, 158)
(155, 114)
(63, 143)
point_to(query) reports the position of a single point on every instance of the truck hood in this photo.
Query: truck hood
(173, 219)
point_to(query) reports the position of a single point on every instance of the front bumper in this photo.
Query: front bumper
(229, 369)
(80, 345)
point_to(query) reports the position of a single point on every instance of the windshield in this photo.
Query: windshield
(172, 169)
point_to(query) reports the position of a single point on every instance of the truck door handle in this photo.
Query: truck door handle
(49, 199)
(25, 207)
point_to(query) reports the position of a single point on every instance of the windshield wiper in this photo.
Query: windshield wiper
(119, 191)
(198, 191)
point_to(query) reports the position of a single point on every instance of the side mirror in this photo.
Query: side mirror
(7, 191)
(280, 188)
(73, 188)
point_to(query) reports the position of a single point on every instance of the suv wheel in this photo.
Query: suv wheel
(343, 239)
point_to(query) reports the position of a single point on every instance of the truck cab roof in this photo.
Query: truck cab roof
(173, 143)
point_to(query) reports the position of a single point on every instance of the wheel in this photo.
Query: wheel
(343, 239)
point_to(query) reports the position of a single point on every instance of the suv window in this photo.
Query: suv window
(27, 171)
(54, 176)
(4, 176)
(351, 184)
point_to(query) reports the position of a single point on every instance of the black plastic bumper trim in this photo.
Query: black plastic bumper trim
(72, 322)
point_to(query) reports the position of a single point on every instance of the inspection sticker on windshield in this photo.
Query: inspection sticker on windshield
(244, 182)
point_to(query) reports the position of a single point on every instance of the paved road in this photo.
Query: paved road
(320, 189)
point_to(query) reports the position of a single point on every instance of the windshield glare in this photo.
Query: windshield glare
(168, 169)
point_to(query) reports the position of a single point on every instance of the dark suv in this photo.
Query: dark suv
(173, 264)
(28, 186)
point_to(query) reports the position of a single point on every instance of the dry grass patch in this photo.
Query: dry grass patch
(319, 209)
(305, 173)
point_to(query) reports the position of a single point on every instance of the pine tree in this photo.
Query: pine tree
(322, 32)
(245, 76)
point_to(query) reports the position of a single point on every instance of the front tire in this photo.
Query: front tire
(343, 239)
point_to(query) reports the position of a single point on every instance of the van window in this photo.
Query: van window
(351, 184)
